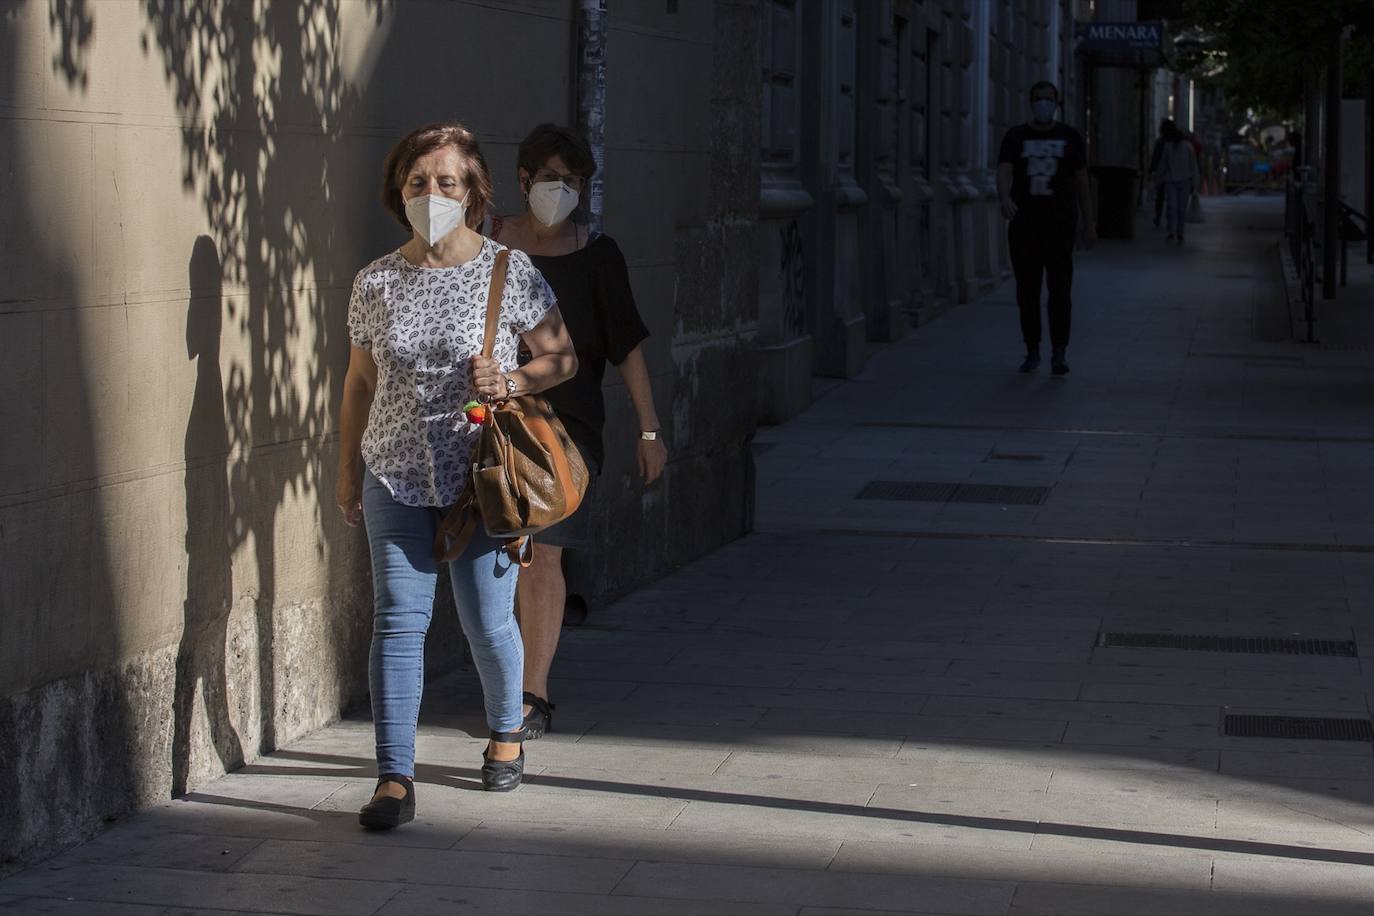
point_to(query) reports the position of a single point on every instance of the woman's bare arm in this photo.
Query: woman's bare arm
(553, 362)
(360, 384)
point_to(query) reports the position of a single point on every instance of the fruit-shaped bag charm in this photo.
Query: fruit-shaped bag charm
(476, 412)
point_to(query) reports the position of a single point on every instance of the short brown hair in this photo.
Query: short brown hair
(549, 140)
(422, 142)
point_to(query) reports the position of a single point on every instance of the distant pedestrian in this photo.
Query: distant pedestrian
(415, 322)
(1042, 179)
(1178, 172)
(1165, 127)
(592, 282)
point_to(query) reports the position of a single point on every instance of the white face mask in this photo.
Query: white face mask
(552, 201)
(434, 216)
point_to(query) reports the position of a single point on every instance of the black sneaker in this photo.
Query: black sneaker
(1058, 365)
(1031, 363)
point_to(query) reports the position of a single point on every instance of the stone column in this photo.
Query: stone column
(983, 174)
(918, 165)
(879, 87)
(785, 346)
(943, 176)
(964, 194)
(836, 319)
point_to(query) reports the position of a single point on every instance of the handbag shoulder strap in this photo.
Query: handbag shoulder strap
(498, 283)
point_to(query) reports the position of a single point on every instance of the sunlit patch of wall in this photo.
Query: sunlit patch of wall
(189, 188)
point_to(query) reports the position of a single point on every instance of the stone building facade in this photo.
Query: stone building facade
(877, 204)
(189, 187)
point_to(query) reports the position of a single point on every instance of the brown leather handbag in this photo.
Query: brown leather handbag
(526, 472)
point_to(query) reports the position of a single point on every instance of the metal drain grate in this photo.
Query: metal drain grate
(1271, 364)
(1253, 645)
(1014, 456)
(908, 490)
(1256, 358)
(995, 494)
(1299, 727)
(926, 491)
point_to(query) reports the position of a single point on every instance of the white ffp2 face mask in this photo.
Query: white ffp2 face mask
(434, 216)
(552, 201)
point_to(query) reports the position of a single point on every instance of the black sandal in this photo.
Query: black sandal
(503, 775)
(540, 717)
(387, 812)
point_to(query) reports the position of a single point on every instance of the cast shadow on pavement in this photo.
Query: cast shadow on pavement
(457, 777)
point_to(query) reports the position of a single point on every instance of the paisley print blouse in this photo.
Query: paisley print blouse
(423, 326)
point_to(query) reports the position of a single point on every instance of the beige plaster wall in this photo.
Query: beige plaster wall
(187, 188)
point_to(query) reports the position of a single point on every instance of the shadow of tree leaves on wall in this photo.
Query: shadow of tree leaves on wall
(71, 22)
(263, 103)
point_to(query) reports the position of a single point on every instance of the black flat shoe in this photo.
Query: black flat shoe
(540, 717)
(387, 812)
(503, 775)
(1031, 363)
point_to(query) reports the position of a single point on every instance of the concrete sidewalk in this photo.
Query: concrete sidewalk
(905, 706)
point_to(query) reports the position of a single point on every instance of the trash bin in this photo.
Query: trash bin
(1117, 190)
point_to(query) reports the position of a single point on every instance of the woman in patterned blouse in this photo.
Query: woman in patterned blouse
(415, 321)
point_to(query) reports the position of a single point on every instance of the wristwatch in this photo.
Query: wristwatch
(648, 435)
(510, 387)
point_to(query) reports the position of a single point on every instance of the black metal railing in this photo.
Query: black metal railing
(1300, 227)
(1354, 228)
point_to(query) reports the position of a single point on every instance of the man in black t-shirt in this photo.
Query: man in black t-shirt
(1042, 179)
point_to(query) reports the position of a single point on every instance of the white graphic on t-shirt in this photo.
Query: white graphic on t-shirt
(1042, 163)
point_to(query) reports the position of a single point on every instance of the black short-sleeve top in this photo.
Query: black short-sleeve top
(592, 286)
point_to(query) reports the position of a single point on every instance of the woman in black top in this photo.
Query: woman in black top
(592, 284)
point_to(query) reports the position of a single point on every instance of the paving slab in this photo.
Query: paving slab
(603, 802)
(451, 901)
(672, 845)
(149, 847)
(931, 770)
(461, 867)
(204, 813)
(1036, 899)
(1044, 863)
(291, 894)
(849, 911)
(50, 906)
(763, 885)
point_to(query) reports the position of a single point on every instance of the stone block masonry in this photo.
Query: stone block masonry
(187, 199)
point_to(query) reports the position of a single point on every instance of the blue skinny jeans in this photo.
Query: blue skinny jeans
(404, 575)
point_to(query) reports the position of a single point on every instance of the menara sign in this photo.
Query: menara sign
(1121, 36)
(1122, 44)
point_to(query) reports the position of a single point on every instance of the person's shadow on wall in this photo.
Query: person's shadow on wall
(201, 656)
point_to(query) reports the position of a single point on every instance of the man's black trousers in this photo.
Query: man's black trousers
(1042, 255)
